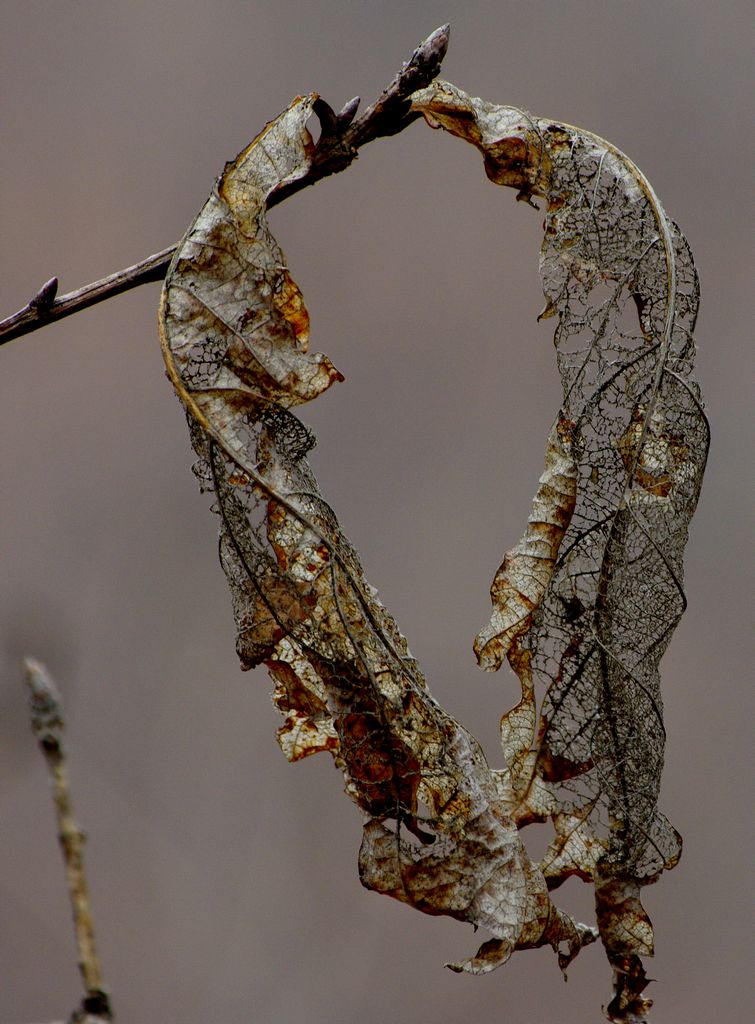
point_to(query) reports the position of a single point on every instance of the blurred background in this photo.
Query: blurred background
(224, 880)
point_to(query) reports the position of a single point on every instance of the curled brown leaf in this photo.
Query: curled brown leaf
(583, 605)
(234, 330)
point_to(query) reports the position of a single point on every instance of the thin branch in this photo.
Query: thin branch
(44, 309)
(47, 725)
(341, 136)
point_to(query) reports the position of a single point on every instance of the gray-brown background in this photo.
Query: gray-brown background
(224, 880)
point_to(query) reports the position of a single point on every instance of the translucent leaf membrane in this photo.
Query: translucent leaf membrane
(439, 832)
(586, 603)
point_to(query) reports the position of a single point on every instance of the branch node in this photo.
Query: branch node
(45, 296)
(348, 112)
(44, 703)
(98, 1003)
(424, 64)
(326, 116)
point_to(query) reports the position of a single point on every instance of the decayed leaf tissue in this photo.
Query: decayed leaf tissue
(583, 605)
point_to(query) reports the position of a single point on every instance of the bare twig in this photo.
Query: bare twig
(340, 138)
(47, 725)
(43, 310)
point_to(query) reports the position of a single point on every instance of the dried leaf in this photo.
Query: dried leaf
(591, 618)
(523, 578)
(439, 834)
(628, 1005)
(583, 605)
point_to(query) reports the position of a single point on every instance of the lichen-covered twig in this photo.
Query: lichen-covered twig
(341, 136)
(47, 725)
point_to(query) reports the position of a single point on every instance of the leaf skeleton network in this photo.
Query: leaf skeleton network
(583, 605)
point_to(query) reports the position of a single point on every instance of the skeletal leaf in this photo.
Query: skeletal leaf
(591, 626)
(439, 834)
(583, 605)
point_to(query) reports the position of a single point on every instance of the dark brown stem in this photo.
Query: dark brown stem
(340, 138)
